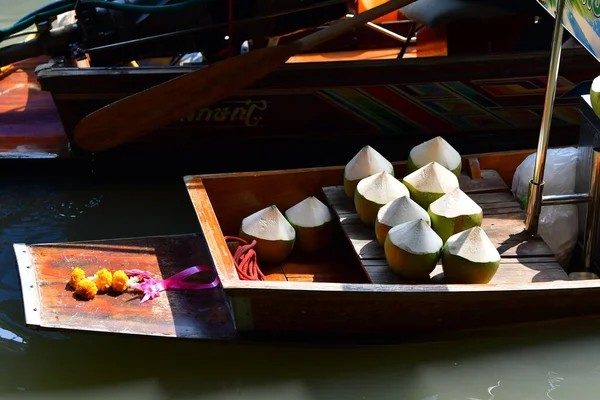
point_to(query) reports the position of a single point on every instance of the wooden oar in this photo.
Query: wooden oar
(153, 108)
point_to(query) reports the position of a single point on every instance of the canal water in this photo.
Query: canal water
(554, 361)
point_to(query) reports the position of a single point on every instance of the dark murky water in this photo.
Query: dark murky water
(558, 361)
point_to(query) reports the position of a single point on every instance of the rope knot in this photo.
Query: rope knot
(245, 259)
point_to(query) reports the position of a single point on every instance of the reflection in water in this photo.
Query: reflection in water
(72, 209)
(554, 381)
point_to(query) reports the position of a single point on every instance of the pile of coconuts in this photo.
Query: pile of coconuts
(306, 226)
(423, 217)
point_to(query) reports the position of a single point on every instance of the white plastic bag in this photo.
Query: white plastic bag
(558, 225)
(559, 174)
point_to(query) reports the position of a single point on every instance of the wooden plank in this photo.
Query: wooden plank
(49, 302)
(519, 270)
(29, 288)
(506, 234)
(524, 258)
(490, 182)
(352, 55)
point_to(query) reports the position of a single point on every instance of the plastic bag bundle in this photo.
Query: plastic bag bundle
(558, 225)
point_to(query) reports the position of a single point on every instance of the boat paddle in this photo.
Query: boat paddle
(143, 112)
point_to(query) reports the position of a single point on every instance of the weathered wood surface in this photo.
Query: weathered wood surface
(45, 270)
(331, 265)
(29, 123)
(221, 201)
(524, 258)
(367, 310)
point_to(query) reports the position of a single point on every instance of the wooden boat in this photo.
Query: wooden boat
(484, 93)
(355, 88)
(347, 291)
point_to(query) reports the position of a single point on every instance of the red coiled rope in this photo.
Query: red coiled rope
(245, 260)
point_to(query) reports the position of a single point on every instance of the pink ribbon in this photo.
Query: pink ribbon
(153, 287)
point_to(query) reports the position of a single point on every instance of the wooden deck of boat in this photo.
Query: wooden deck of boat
(29, 123)
(525, 259)
(49, 302)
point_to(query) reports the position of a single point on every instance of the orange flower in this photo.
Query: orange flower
(77, 275)
(103, 279)
(86, 289)
(120, 281)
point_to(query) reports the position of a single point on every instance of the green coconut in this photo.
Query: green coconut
(366, 162)
(274, 235)
(595, 95)
(313, 223)
(396, 212)
(374, 192)
(438, 150)
(429, 183)
(454, 212)
(412, 249)
(470, 257)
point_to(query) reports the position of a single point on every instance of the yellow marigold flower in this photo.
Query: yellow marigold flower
(103, 280)
(86, 289)
(77, 275)
(120, 281)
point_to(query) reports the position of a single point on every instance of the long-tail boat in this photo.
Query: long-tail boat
(471, 71)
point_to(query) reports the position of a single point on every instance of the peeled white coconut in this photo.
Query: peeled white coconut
(429, 183)
(412, 249)
(438, 150)
(374, 192)
(454, 212)
(595, 95)
(366, 162)
(274, 235)
(396, 212)
(470, 257)
(313, 223)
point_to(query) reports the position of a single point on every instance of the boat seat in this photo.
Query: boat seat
(433, 13)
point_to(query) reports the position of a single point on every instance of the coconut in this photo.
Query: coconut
(274, 235)
(454, 212)
(429, 183)
(396, 212)
(438, 150)
(313, 223)
(374, 192)
(366, 162)
(595, 95)
(412, 249)
(470, 257)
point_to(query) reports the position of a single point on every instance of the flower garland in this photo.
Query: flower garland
(135, 280)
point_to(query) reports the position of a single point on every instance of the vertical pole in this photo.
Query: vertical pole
(536, 184)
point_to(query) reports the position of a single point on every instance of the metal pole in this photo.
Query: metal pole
(591, 226)
(536, 184)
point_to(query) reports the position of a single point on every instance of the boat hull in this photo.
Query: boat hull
(483, 103)
(344, 292)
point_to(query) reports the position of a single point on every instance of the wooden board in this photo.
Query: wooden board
(353, 55)
(45, 269)
(524, 258)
